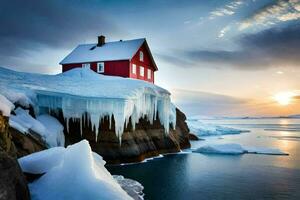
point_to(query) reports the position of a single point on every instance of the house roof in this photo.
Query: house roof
(110, 51)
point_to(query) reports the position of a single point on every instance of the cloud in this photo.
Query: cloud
(208, 104)
(226, 10)
(278, 46)
(34, 25)
(276, 11)
(224, 31)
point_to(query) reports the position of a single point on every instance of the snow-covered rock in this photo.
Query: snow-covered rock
(5, 106)
(205, 129)
(54, 134)
(49, 128)
(74, 172)
(132, 187)
(81, 91)
(23, 122)
(235, 149)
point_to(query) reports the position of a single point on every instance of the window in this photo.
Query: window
(86, 65)
(100, 67)
(149, 73)
(141, 56)
(134, 68)
(142, 71)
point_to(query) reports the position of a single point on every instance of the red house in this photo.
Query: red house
(130, 58)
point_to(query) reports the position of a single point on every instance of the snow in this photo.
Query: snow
(132, 187)
(74, 172)
(41, 162)
(235, 149)
(21, 97)
(82, 91)
(205, 129)
(5, 106)
(50, 130)
(24, 122)
(54, 134)
(118, 50)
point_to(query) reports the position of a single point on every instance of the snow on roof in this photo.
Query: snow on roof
(118, 50)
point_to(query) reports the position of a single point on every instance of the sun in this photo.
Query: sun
(284, 98)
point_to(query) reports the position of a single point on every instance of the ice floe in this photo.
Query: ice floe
(236, 149)
(74, 172)
(205, 129)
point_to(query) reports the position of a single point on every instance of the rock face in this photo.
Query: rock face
(13, 185)
(146, 141)
(193, 137)
(6, 144)
(26, 144)
(16, 144)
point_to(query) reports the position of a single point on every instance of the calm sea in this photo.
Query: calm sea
(191, 176)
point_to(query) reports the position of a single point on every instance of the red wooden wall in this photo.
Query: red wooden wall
(147, 64)
(112, 68)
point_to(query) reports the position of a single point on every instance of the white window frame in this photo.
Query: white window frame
(141, 56)
(86, 65)
(149, 73)
(100, 67)
(142, 71)
(133, 68)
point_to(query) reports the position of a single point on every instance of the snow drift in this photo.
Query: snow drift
(49, 128)
(80, 91)
(74, 172)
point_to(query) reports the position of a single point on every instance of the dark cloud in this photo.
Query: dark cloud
(33, 25)
(278, 46)
(208, 104)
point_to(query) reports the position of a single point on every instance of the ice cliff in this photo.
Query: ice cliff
(84, 95)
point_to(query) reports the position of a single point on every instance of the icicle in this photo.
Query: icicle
(67, 124)
(80, 126)
(110, 120)
(147, 103)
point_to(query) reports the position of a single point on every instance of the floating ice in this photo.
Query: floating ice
(80, 91)
(74, 172)
(235, 149)
(204, 129)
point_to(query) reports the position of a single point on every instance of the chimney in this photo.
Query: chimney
(101, 40)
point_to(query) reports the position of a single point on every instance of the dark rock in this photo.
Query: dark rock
(6, 144)
(193, 137)
(147, 140)
(17, 144)
(13, 185)
(26, 144)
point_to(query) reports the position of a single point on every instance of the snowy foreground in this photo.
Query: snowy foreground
(236, 149)
(49, 128)
(76, 172)
(81, 91)
(204, 129)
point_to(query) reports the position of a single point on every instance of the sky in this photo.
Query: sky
(218, 58)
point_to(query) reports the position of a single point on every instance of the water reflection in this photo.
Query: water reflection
(197, 176)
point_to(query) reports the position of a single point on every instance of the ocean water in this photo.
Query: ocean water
(192, 176)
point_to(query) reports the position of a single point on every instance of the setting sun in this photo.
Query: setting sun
(284, 98)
